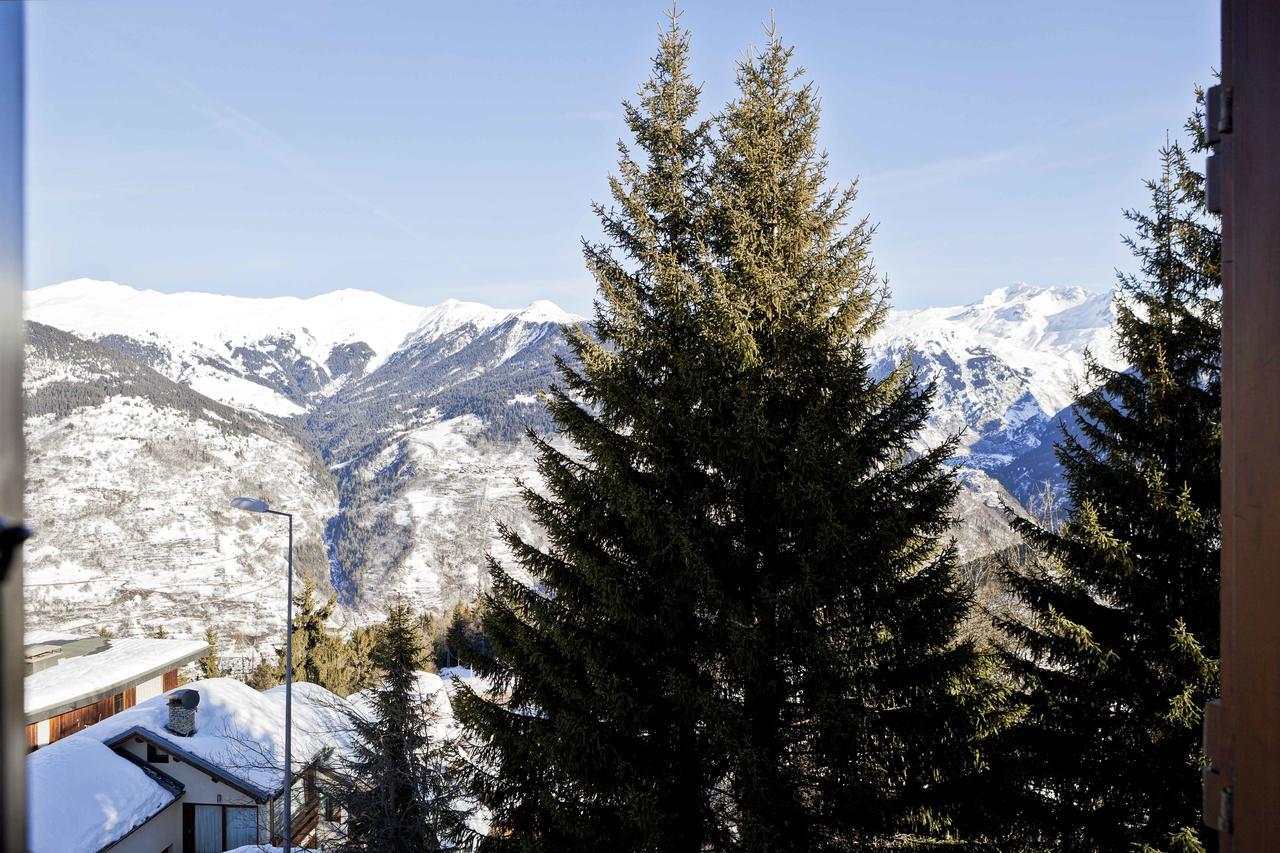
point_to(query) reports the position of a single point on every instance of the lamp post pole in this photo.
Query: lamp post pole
(257, 505)
(288, 695)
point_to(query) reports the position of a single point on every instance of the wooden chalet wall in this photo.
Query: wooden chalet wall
(73, 721)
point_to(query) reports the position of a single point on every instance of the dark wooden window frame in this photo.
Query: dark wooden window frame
(189, 823)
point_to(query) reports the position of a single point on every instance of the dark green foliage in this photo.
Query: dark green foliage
(209, 666)
(1116, 640)
(743, 635)
(265, 675)
(451, 638)
(860, 712)
(605, 649)
(398, 790)
(360, 646)
(319, 654)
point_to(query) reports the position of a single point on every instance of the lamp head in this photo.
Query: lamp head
(249, 504)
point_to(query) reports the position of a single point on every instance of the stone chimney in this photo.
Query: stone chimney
(182, 712)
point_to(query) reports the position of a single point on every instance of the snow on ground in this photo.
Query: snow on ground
(84, 772)
(129, 505)
(461, 488)
(122, 658)
(225, 388)
(41, 636)
(1040, 331)
(461, 675)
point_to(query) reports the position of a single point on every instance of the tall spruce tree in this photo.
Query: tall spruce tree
(209, 665)
(858, 711)
(598, 739)
(1116, 645)
(319, 654)
(743, 635)
(398, 787)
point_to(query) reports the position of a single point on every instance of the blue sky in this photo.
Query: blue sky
(430, 150)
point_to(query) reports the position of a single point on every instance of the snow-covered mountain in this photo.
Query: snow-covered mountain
(129, 480)
(1005, 369)
(276, 355)
(418, 416)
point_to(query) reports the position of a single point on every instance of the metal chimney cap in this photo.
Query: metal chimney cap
(188, 699)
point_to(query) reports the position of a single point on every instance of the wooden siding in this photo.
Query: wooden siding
(73, 721)
(170, 680)
(1246, 751)
(305, 821)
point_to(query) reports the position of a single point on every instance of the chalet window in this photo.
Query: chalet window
(155, 756)
(118, 703)
(209, 828)
(240, 826)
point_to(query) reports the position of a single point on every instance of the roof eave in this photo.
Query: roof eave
(247, 788)
(109, 845)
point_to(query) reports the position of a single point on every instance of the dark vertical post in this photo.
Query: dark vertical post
(1247, 742)
(288, 705)
(13, 746)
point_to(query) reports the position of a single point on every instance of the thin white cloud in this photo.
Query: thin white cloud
(950, 170)
(253, 133)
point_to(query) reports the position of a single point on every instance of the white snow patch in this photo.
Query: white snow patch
(81, 796)
(78, 676)
(241, 730)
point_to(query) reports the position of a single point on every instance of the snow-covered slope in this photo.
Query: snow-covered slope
(276, 355)
(1039, 333)
(1004, 370)
(418, 415)
(129, 479)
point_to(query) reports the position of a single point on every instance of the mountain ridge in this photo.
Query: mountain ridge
(418, 413)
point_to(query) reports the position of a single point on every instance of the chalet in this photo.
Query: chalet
(196, 770)
(73, 682)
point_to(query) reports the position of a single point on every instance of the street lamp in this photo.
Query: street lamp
(256, 505)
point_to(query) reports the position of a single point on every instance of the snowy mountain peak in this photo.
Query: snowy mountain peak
(275, 354)
(1039, 299)
(545, 311)
(408, 439)
(451, 314)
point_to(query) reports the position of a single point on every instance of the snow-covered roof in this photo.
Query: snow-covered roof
(433, 691)
(80, 679)
(82, 796)
(239, 731)
(459, 676)
(85, 796)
